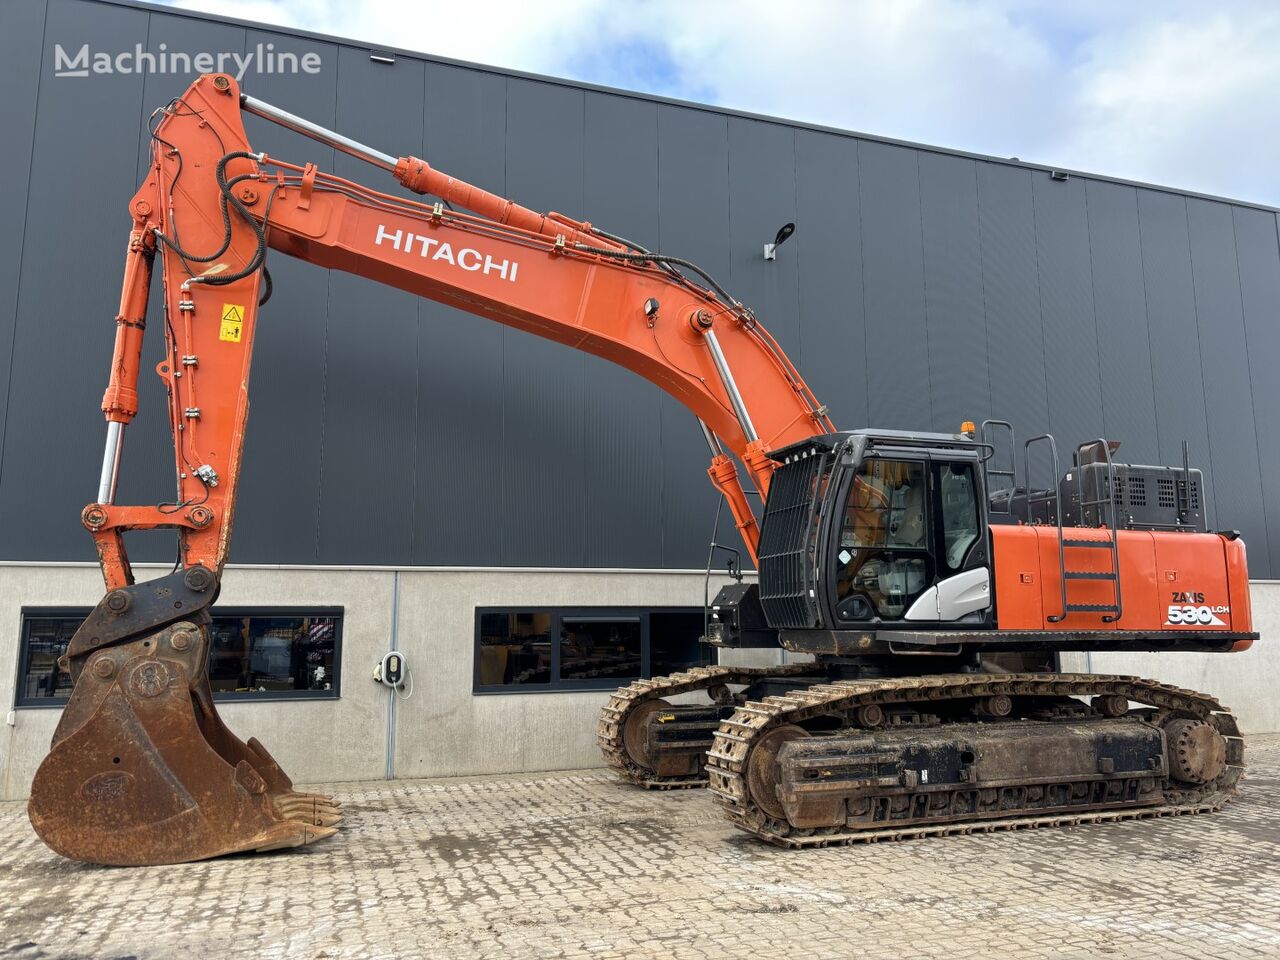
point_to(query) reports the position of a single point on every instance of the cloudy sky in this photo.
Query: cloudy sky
(1184, 94)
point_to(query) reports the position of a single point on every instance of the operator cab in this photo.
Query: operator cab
(877, 528)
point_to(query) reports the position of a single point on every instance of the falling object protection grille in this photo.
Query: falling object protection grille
(788, 540)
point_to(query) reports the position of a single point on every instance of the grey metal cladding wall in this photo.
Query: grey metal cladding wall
(922, 288)
(458, 473)
(544, 451)
(622, 505)
(18, 119)
(1066, 310)
(1259, 260)
(68, 286)
(1174, 332)
(955, 322)
(828, 254)
(369, 416)
(1011, 298)
(762, 197)
(897, 357)
(1119, 309)
(1237, 483)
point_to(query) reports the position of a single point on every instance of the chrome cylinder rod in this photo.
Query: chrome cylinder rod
(111, 462)
(731, 388)
(317, 132)
(712, 442)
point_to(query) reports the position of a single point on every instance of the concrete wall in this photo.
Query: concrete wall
(443, 730)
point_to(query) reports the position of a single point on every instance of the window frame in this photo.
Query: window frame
(558, 615)
(274, 696)
(943, 564)
(925, 551)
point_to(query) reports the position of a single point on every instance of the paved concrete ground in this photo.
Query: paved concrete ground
(577, 865)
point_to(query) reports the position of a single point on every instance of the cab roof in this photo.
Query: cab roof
(828, 442)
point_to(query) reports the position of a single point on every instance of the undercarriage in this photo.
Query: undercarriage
(799, 758)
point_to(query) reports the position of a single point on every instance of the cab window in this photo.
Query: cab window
(959, 513)
(883, 551)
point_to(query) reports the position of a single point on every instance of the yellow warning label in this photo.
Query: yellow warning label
(232, 322)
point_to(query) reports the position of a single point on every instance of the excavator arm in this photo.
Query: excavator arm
(212, 208)
(142, 770)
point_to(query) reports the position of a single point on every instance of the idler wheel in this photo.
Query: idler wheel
(762, 769)
(633, 731)
(1197, 752)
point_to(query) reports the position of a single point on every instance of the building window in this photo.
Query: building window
(264, 654)
(44, 640)
(584, 648)
(254, 654)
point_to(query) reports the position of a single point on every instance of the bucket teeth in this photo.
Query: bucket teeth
(304, 807)
(320, 798)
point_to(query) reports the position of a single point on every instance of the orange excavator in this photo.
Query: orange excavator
(930, 589)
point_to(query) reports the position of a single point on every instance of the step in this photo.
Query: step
(1089, 575)
(1092, 608)
(1105, 544)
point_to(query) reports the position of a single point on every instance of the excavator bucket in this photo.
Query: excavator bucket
(142, 769)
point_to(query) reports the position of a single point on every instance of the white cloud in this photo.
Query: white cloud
(1179, 93)
(1192, 103)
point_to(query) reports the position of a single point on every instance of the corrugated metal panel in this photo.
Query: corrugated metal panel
(828, 251)
(893, 292)
(693, 216)
(367, 487)
(21, 43)
(1259, 261)
(762, 197)
(1233, 440)
(622, 509)
(1011, 291)
(1066, 312)
(959, 379)
(1175, 337)
(544, 453)
(458, 515)
(73, 253)
(1120, 307)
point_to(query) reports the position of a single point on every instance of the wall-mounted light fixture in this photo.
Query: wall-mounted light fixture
(382, 56)
(771, 249)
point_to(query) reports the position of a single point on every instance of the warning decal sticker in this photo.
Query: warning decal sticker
(232, 322)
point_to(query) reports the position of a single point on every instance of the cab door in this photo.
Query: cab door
(962, 587)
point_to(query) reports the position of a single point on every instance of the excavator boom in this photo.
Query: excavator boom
(141, 769)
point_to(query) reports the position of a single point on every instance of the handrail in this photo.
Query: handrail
(1055, 497)
(988, 440)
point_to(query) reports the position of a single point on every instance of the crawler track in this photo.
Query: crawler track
(737, 735)
(609, 729)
